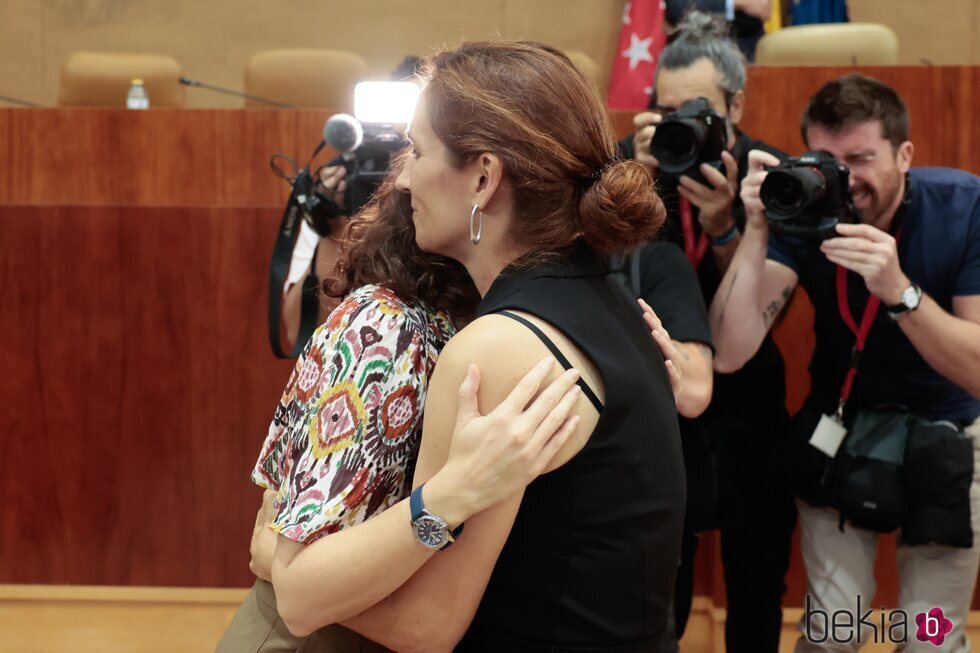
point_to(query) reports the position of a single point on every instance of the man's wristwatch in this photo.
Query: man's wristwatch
(911, 298)
(431, 531)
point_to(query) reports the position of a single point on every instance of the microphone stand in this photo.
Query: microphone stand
(227, 91)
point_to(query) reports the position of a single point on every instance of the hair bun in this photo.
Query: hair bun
(620, 210)
(699, 26)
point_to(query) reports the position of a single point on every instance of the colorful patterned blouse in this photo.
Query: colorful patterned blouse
(345, 435)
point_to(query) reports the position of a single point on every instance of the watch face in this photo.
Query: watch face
(910, 298)
(431, 531)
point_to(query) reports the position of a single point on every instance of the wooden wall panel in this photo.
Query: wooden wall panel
(161, 157)
(137, 385)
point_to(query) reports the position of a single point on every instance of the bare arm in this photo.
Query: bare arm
(263, 544)
(432, 611)
(492, 457)
(754, 290)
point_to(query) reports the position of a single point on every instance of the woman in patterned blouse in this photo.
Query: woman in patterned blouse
(345, 435)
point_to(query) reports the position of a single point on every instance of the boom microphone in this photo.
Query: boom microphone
(343, 133)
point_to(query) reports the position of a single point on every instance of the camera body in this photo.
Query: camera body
(808, 196)
(369, 163)
(366, 165)
(686, 138)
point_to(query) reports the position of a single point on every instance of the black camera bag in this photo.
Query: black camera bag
(865, 481)
(938, 474)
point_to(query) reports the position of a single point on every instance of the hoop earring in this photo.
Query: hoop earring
(475, 236)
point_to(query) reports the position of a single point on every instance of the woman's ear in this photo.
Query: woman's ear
(489, 173)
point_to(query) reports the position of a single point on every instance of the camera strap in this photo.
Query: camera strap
(860, 332)
(695, 249)
(282, 254)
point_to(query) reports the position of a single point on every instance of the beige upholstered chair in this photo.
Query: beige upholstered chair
(306, 78)
(836, 44)
(104, 78)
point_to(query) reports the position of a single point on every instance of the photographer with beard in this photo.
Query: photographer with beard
(726, 448)
(897, 322)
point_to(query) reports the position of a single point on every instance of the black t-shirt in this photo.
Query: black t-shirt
(669, 285)
(759, 387)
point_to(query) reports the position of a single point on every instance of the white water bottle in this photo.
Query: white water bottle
(137, 97)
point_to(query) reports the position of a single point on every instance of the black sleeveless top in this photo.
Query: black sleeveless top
(590, 561)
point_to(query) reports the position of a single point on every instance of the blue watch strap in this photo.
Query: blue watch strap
(416, 507)
(415, 504)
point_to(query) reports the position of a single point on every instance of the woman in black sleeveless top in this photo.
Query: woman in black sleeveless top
(512, 174)
(594, 545)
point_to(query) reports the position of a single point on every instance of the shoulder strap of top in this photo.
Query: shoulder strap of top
(560, 357)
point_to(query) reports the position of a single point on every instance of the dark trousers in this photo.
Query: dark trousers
(756, 516)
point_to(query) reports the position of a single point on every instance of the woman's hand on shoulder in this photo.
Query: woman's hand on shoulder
(495, 455)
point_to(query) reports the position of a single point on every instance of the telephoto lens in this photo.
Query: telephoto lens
(786, 193)
(807, 196)
(688, 137)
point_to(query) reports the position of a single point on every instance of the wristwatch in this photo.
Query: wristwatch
(431, 531)
(910, 300)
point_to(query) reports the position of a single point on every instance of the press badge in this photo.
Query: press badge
(828, 435)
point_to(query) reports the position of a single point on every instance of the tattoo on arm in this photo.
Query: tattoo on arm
(769, 315)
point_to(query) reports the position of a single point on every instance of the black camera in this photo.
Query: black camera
(368, 164)
(688, 137)
(366, 152)
(808, 196)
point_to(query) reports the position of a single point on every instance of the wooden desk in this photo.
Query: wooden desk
(137, 383)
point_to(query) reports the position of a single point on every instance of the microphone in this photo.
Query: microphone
(18, 101)
(227, 91)
(343, 133)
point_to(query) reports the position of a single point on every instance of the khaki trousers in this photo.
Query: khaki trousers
(258, 628)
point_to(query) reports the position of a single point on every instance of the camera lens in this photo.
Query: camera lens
(786, 193)
(676, 144)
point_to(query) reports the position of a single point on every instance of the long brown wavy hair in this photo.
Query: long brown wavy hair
(528, 104)
(380, 248)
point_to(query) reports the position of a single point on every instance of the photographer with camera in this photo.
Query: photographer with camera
(315, 254)
(887, 437)
(691, 143)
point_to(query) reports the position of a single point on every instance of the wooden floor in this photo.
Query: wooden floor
(64, 619)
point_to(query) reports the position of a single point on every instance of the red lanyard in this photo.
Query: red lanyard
(695, 252)
(870, 310)
(860, 332)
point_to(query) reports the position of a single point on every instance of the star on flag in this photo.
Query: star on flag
(641, 38)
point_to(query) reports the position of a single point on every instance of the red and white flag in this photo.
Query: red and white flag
(641, 39)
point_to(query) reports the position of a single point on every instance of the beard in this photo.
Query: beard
(878, 204)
